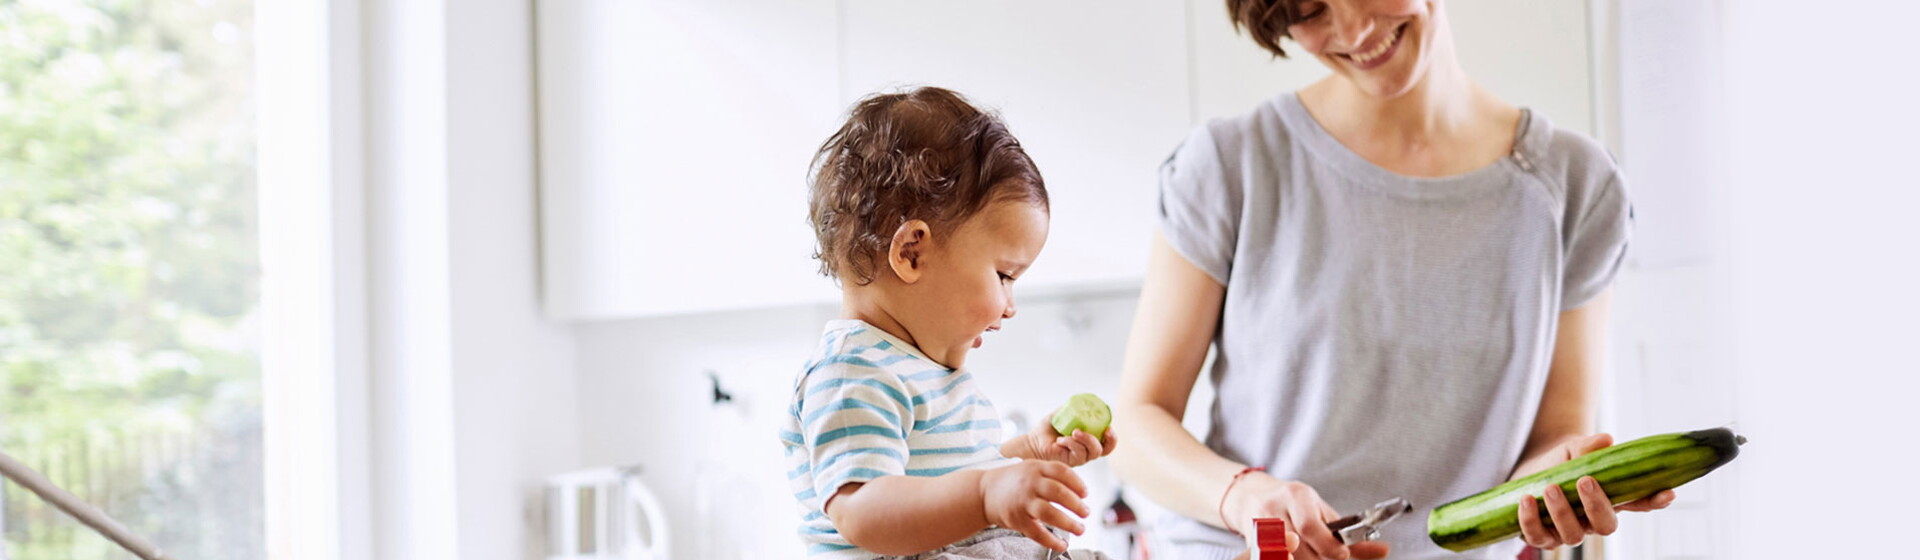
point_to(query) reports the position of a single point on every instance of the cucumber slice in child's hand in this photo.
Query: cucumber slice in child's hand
(1084, 412)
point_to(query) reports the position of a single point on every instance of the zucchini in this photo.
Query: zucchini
(1627, 472)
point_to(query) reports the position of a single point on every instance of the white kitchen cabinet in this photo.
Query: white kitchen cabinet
(675, 134)
(674, 140)
(1098, 97)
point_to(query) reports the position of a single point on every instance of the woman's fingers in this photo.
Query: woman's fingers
(1369, 550)
(1566, 523)
(1313, 529)
(1293, 548)
(1599, 508)
(1657, 501)
(1532, 530)
(1297, 550)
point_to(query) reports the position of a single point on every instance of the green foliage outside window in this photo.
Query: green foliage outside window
(129, 272)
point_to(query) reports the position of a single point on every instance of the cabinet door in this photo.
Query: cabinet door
(674, 143)
(1096, 92)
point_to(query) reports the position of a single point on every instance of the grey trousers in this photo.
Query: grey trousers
(1001, 544)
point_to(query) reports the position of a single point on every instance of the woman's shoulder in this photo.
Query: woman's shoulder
(1263, 125)
(1578, 165)
(1252, 137)
(1565, 154)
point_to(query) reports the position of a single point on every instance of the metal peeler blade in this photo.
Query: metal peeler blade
(1365, 526)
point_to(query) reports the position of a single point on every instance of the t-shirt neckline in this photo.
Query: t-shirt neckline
(1321, 143)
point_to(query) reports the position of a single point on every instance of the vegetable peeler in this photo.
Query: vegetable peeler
(1365, 526)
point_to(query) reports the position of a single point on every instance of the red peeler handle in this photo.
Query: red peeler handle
(1270, 535)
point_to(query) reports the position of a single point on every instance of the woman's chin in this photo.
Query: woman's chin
(1390, 81)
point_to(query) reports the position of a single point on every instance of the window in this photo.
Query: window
(130, 274)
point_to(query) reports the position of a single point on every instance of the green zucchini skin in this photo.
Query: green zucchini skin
(1627, 472)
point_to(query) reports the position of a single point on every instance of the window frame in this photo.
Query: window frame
(308, 76)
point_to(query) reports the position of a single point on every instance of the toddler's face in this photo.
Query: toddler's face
(967, 287)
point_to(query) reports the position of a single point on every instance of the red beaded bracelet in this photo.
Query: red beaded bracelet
(1229, 491)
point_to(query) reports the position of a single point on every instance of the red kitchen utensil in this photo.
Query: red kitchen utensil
(1270, 535)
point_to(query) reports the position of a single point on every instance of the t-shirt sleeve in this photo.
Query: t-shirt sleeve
(1199, 210)
(1596, 243)
(854, 420)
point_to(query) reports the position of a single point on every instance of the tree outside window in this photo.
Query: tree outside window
(129, 273)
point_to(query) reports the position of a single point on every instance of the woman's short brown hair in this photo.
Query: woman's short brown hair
(923, 154)
(1266, 20)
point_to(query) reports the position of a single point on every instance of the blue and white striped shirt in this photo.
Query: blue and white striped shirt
(869, 405)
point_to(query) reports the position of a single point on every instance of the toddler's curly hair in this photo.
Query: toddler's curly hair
(922, 154)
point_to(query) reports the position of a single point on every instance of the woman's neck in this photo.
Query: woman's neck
(1442, 104)
(1443, 125)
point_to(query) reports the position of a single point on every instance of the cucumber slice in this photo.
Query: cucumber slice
(1084, 412)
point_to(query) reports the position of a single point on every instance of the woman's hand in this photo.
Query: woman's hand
(1022, 497)
(1259, 494)
(1043, 443)
(1568, 529)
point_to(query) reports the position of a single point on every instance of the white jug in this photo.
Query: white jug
(604, 514)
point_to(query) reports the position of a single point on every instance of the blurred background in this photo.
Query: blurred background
(389, 279)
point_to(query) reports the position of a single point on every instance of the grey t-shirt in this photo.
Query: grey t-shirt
(1383, 335)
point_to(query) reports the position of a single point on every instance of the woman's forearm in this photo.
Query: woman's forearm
(901, 515)
(1179, 314)
(1571, 397)
(1167, 463)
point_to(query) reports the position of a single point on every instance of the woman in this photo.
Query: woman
(1406, 278)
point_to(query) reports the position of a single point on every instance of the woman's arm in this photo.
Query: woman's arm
(1179, 313)
(1569, 402)
(1563, 430)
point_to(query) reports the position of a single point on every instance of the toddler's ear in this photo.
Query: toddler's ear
(909, 245)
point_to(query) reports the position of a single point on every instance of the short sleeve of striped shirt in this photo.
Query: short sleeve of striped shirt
(854, 420)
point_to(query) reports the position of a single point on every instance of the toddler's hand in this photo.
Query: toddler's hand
(1045, 444)
(1021, 497)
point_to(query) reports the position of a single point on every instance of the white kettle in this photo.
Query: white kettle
(604, 514)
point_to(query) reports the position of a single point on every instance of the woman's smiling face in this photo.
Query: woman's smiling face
(1379, 45)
